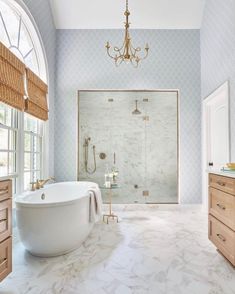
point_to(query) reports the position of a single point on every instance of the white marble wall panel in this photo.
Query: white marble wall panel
(146, 150)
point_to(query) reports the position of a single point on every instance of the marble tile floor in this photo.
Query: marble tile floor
(153, 250)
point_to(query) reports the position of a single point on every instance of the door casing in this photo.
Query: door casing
(224, 88)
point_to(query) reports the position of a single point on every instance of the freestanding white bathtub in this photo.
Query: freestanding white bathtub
(54, 220)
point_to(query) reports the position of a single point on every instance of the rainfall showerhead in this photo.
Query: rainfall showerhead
(136, 111)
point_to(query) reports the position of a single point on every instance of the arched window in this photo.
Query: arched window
(18, 33)
(22, 137)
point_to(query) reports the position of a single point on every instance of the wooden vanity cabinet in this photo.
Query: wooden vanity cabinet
(222, 214)
(5, 228)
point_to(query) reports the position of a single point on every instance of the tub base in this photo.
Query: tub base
(58, 224)
(51, 255)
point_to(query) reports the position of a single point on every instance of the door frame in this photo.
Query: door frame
(223, 88)
(176, 91)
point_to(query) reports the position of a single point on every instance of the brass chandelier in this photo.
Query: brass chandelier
(127, 52)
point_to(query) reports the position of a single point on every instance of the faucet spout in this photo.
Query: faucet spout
(41, 183)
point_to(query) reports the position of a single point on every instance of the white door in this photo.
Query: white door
(216, 147)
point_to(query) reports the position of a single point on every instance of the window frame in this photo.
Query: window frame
(14, 128)
(21, 10)
(34, 135)
(27, 19)
(20, 150)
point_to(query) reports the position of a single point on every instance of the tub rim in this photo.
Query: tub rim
(19, 200)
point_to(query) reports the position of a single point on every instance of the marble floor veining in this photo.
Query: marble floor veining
(153, 250)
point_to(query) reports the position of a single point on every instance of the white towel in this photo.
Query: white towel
(95, 205)
(93, 217)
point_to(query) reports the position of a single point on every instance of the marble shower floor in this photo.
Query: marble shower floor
(153, 250)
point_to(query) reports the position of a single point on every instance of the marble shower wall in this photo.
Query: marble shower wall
(145, 145)
(173, 63)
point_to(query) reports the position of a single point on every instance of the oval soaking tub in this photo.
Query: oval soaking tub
(55, 220)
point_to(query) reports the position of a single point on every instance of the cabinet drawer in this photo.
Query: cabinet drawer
(5, 189)
(5, 258)
(223, 238)
(224, 184)
(5, 219)
(222, 206)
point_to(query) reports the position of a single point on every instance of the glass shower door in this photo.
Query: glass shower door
(142, 145)
(161, 148)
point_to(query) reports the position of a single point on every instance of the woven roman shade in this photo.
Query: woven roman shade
(36, 103)
(12, 72)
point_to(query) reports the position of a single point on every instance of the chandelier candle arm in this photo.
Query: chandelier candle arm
(127, 52)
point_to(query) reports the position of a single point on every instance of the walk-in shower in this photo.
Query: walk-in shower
(134, 133)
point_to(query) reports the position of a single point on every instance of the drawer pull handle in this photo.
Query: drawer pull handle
(221, 237)
(3, 191)
(3, 220)
(221, 206)
(221, 183)
(2, 261)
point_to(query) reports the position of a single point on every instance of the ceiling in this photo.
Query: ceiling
(145, 14)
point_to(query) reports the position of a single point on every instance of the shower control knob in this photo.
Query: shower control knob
(102, 155)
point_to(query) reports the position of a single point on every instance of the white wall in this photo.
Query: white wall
(218, 53)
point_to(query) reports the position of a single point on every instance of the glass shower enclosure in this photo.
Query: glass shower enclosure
(135, 135)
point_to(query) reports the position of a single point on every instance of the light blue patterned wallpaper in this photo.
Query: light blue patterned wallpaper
(42, 15)
(173, 63)
(218, 52)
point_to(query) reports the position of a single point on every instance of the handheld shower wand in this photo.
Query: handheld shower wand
(86, 151)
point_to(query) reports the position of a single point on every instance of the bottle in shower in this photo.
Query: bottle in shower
(107, 182)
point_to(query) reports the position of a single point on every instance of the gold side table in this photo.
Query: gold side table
(110, 214)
